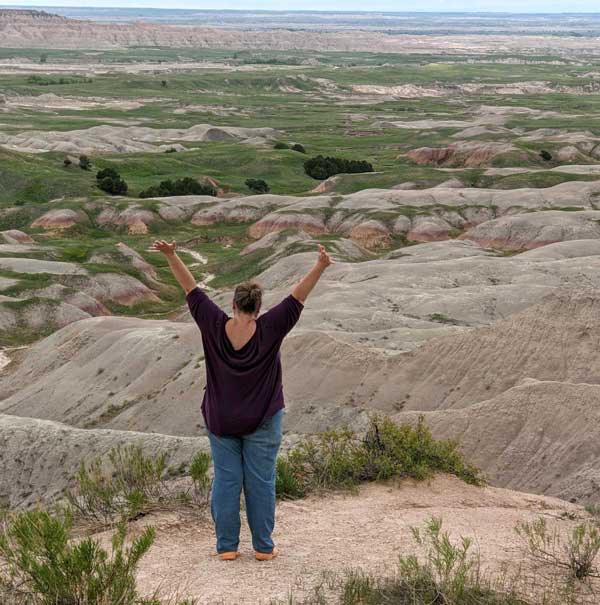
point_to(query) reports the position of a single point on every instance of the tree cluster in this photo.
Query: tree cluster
(184, 186)
(110, 181)
(321, 167)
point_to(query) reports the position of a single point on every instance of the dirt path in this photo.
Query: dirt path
(367, 530)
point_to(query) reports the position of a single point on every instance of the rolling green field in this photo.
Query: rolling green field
(314, 105)
(308, 98)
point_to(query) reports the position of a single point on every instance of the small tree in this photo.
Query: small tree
(299, 148)
(257, 185)
(110, 180)
(163, 83)
(281, 145)
(545, 155)
(114, 186)
(107, 172)
(84, 162)
(67, 162)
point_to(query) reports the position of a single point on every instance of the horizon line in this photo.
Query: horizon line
(300, 11)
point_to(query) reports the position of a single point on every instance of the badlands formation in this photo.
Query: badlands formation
(465, 289)
(35, 29)
(488, 326)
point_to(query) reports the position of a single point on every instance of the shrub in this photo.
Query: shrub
(545, 155)
(199, 471)
(299, 148)
(576, 557)
(322, 168)
(341, 459)
(67, 162)
(134, 484)
(287, 485)
(43, 563)
(184, 186)
(84, 162)
(281, 145)
(257, 185)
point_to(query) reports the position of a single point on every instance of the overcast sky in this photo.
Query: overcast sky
(523, 6)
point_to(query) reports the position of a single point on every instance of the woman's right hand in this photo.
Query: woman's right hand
(167, 248)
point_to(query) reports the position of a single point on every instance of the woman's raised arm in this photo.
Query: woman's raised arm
(305, 286)
(182, 274)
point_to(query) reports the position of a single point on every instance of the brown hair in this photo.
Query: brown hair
(248, 297)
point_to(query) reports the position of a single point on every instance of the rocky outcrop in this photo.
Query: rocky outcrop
(535, 229)
(122, 289)
(371, 234)
(133, 218)
(451, 184)
(59, 219)
(428, 229)
(230, 214)
(327, 185)
(126, 139)
(14, 236)
(281, 221)
(470, 154)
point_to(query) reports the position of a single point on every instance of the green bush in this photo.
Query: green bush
(184, 186)
(129, 484)
(199, 471)
(281, 145)
(258, 185)
(340, 458)
(299, 148)
(287, 485)
(322, 168)
(545, 155)
(42, 563)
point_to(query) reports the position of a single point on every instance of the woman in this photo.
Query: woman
(243, 399)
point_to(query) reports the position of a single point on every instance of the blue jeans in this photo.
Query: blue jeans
(247, 462)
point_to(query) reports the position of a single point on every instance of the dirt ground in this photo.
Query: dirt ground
(366, 530)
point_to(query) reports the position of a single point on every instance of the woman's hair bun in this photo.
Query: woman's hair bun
(248, 297)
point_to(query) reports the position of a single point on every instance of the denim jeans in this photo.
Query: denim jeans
(247, 463)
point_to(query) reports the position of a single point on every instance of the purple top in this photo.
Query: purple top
(242, 387)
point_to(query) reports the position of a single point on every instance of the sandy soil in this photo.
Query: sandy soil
(368, 530)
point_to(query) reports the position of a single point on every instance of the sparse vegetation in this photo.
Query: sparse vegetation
(133, 484)
(448, 573)
(576, 557)
(340, 458)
